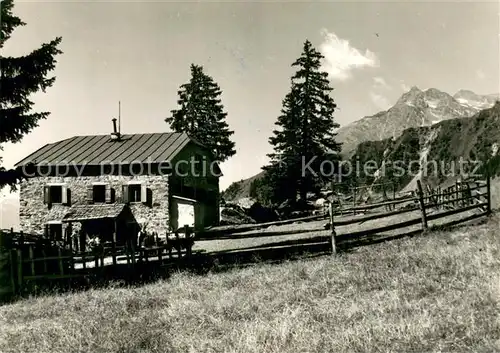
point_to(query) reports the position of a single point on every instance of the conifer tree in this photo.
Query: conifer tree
(20, 77)
(306, 138)
(201, 114)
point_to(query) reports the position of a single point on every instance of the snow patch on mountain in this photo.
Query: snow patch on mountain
(470, 99)
(494, 149)
(432, 103)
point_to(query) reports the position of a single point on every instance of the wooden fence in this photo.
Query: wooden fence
(429, 204)
(32, 258)
(462, 197)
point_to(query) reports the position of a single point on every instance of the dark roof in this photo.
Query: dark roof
(97, 211)
(98, 149)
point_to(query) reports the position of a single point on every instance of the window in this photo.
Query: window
(99, 193)
(54, 231)
(135, 192)
(56, 194)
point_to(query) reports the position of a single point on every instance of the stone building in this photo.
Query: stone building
(105, 184)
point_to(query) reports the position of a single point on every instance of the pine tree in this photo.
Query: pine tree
(19, 78)
(201, 114)
(306, 138)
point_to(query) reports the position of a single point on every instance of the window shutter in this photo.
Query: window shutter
(125, 193)
(68, 192)
(64, 194)
(150, 197)
(108, 193)
(144, 194)
(46, 194)
(90, 194)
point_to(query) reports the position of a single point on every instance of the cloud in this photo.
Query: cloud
(480, 74)
(405, 87)
(341, 58)
(380, 82)
(380, 101)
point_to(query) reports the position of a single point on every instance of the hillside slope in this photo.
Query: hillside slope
(240, 189)
(434, 293)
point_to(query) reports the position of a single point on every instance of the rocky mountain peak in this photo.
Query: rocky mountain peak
(464, 93)
(476, 101)
(435, 93)
(418, 97)
(410, 96)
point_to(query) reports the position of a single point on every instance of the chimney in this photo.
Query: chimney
(115, 135)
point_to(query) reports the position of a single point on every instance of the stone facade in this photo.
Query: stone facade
(34, 213)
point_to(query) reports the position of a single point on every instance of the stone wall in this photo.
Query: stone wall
(34, 213)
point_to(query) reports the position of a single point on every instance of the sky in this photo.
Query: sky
(139, 53)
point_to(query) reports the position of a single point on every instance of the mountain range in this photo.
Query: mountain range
(419, 122)
(435, 154)
(414, 108)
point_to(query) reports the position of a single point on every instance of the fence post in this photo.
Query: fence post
(20, 260)
(7, 275)
(385, 198)
(422, 205)
(32, 262)
(488, 194)
(83, 248)
(179, 247)
(96, 257)
(113, 248)
(468, 194)
(127, 251)
(132, 250)
(60, 261)
(45, 267)
(160, 251)
(13, 261)
(19, 269)
(354, 200)
(187, 232)
(333, 245)
(462, 201)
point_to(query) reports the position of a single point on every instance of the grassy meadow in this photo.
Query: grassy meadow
(433, 293)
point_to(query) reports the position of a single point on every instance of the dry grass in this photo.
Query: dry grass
(432, 293)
